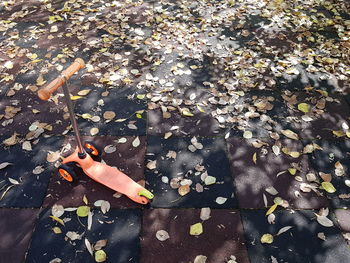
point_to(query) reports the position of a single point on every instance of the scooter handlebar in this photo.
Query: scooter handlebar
(46, 92)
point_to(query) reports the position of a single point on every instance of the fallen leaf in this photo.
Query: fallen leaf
(83, 211)
(57, 210)
(110, 149)
(196, 229)
(100, 244)
(184, 189)
(162, 235)
(210, 180)
(84, 92)
(205, 213)
(328, 187)
(322, 236)
(4, 165)
(59, 220)
(13, 181)
(283, 230)
(303, 107)
(200, 259)
(266, 239)
(57, 230)
(292, 171)
(290, 134)
(254, 158)
(88, 246)
(271, 209)
(53, 156)
(105, 206)
(247, 135)
(100, 256)
(109, 115)
(220, 200)
(276, 150)
(94, 131)
(324, 221)
(136, 142)
(152, 165)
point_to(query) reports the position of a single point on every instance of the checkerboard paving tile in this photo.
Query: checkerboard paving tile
(24, 182)
(125, 112)
(120, 153)
(222, 238)
(121, 228)
(272, 175)
(16, 227)
(335, 153)
(343, 220)
(325, 113)
(298, 244)
(202, 176)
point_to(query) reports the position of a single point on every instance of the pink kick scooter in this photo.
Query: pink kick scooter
(102, 173)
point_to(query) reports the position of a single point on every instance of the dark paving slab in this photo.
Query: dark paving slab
(126, 158)
(261, 112)
(224, 228)
(201, 124)
(325, 160)
(188, 168)
(327, 113)
(16, 229)
(32, 185)
(29, 109)
(123, 102)
(120, 227)
(251, 180)
(298, 244)
(343, 217)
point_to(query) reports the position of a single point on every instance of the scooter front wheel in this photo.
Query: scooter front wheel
(66, 171)
(92, 148)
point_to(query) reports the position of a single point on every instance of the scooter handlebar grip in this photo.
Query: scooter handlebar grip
(46, 92)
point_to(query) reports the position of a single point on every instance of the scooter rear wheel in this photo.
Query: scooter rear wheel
(66, 171)
(92, 148)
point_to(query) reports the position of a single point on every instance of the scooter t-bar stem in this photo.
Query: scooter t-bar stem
(46, 92)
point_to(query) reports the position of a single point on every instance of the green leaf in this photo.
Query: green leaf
(328, 187)
(196, 229)
(140, 96)
(100, 256)
(303, 107)
(83, 211)
(266, 239)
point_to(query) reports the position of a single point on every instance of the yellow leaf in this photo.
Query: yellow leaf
(303, 107)
(266, 239)
(290, 134)
(138, 115)
(187, 113)
(272, 209)
(200, 108)
(59, 220)
(140, 96)
(292, 171)
(85, 200)
(184, 189)
(294, 154)
(75, 97)
(196, 229)
(338, 133)
(100, 256)
(328, 187)
(83, 211)
(86, 116)
(57, 230)
(254, 158)
(84, 92)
